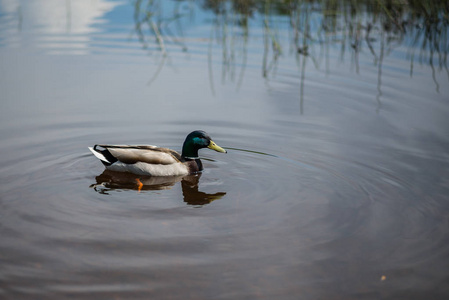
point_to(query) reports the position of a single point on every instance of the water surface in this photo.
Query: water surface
(336, 180)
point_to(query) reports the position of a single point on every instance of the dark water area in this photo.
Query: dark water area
(335, 116)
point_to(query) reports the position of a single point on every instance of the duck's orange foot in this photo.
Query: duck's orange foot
(139, 184)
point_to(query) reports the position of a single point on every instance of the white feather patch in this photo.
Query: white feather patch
(98, 155)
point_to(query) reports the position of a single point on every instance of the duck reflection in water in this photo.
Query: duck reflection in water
(110, 180)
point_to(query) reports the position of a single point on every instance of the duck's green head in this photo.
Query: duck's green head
(196, 140)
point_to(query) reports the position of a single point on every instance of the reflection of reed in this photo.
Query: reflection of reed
(231, 31)
(380, 24)
(430, 37)
(148, 18)
(143, 19)
(269, 37)
(315, 26)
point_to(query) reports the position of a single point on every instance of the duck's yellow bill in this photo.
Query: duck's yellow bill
(215, 147)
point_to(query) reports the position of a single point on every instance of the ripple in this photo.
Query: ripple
(336, 174)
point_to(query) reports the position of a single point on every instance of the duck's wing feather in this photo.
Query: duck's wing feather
(144, 153)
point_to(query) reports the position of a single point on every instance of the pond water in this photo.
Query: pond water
(336, 122)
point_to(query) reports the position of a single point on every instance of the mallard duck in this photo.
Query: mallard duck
(156, 161)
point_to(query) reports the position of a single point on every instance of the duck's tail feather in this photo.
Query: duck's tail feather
(103, 155)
